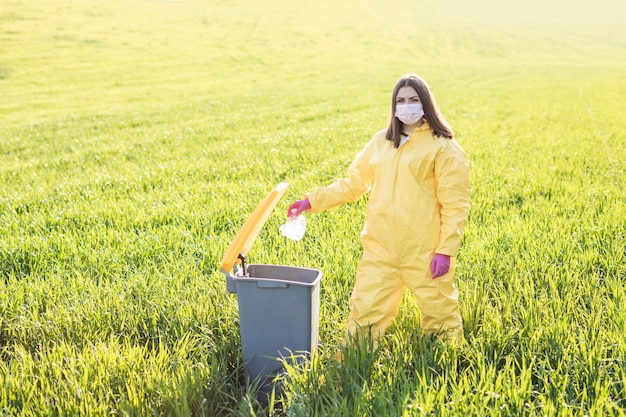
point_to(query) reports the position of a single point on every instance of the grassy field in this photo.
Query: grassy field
(137, 136)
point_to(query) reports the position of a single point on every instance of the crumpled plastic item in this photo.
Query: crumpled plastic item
(294, 227)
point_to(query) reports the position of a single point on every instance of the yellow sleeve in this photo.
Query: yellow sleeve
(348, 189)
(453, 194)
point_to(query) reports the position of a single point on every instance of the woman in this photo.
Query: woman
(418, 178)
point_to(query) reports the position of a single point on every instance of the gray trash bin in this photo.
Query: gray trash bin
(278, 305)
(279, 317)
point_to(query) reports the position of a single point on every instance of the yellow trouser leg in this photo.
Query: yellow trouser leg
(438, 300)
(376, 298)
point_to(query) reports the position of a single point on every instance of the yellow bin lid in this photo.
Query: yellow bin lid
(251, 228)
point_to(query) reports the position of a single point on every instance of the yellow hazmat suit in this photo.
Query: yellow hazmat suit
(419, 200)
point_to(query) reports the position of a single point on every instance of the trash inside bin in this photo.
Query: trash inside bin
(278, 305)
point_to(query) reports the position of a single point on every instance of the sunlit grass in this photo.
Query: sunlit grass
(137, 136)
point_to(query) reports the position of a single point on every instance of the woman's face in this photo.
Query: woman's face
(407, 95)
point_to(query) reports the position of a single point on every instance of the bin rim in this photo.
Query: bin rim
(243, 241)
(318, 278)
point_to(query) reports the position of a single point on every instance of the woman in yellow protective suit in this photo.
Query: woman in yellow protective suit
(418, 178)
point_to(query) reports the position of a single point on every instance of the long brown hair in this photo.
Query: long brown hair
(433, 116)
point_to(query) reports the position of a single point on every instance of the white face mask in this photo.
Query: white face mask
(409, 113)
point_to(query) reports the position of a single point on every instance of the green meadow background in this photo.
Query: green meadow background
(137, 136)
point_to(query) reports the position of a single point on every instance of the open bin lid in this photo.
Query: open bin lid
(252, 227)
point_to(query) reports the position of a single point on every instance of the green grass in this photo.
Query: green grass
(137, 136)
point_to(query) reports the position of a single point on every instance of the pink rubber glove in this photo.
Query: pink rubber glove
(299, 206)
(440, 265)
